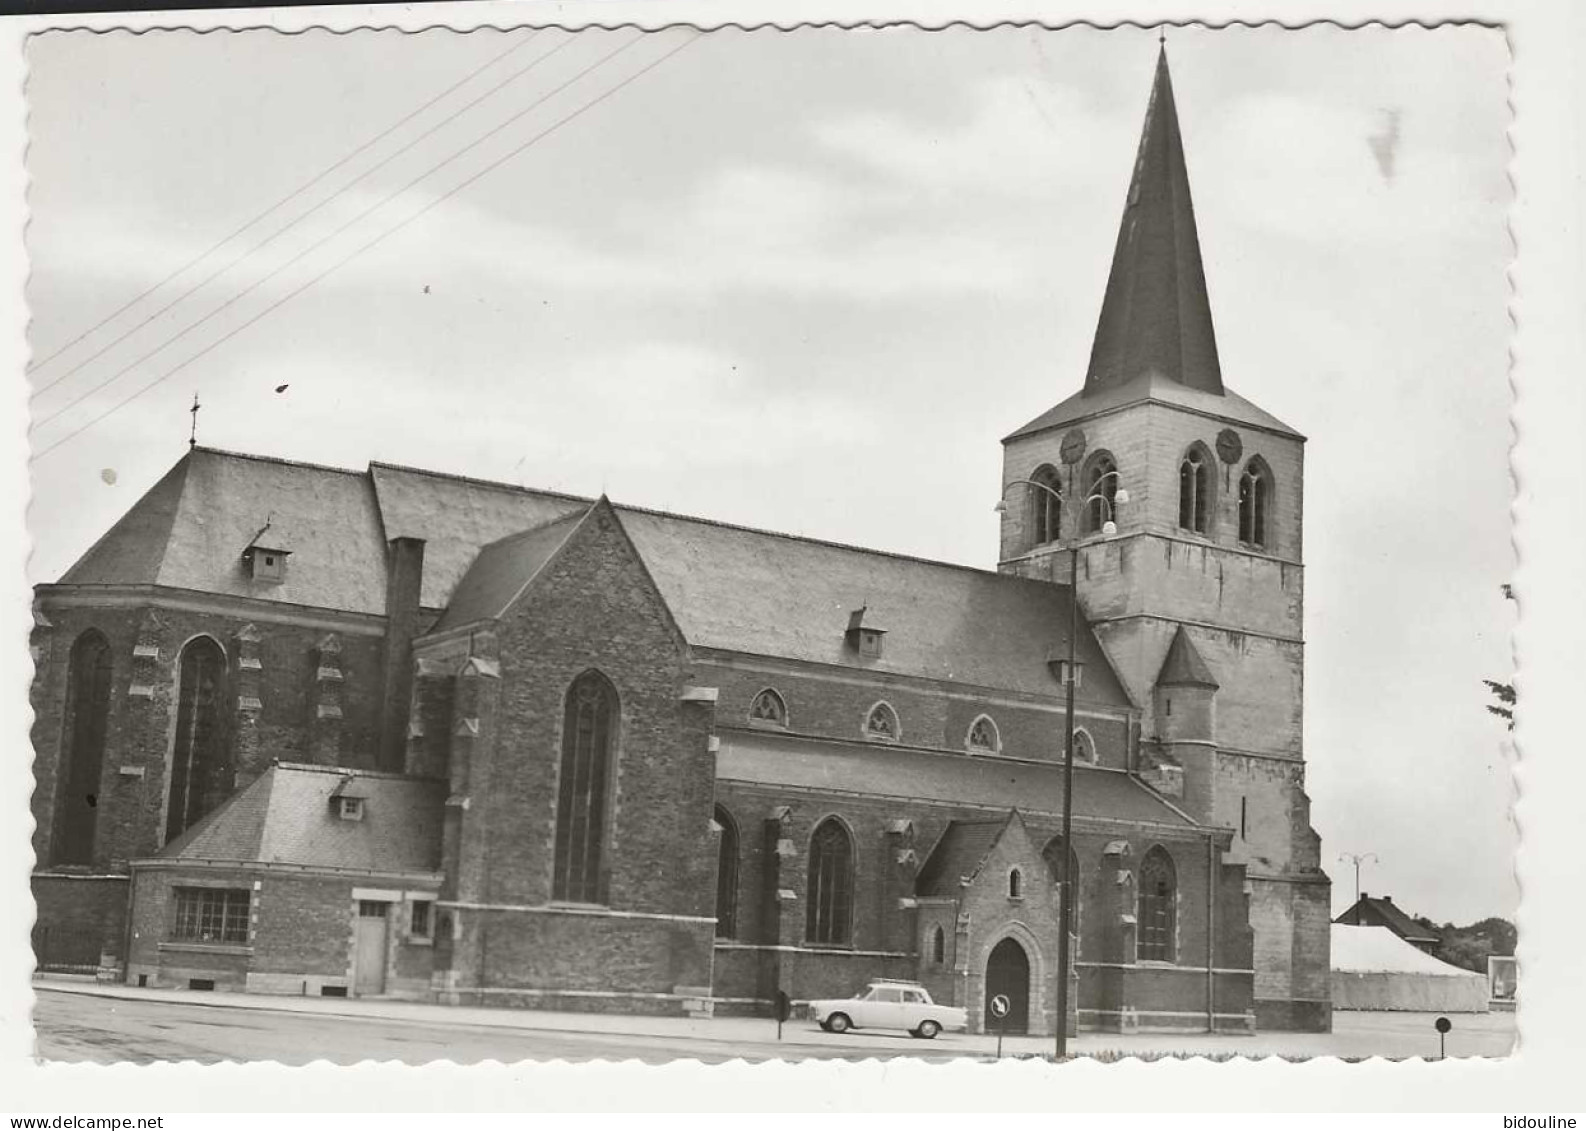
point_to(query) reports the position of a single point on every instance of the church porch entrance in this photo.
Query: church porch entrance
(1008, 974)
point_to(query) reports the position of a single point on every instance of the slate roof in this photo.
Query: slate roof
(958, 855)
(728, 587)
(1154, 337)
(874, 769)
(1229, 405)
(1381, 911)
(772, 595)
(189, 530)
(1183, 665)
(502, 570)
(285, 817)
(456, 516)
(1155, 316)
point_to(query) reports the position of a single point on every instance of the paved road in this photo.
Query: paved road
(76, 1027)
(85, 1027)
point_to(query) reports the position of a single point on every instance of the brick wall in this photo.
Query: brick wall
(132, 794)
(78, 918)
(928, 715)
(592, 607)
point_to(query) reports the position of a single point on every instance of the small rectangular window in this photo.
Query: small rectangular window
(371, 909)
(420, 921)
(1244, 812)
(350, 808)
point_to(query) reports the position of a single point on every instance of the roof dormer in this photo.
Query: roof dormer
(264, 558)
(864, 635)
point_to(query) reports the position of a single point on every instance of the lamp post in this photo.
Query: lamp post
(1359, 858)
(1065, 910)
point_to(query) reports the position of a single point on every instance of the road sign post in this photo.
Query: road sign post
(784, 1010)
(1000, 1008)
(1443, 1025)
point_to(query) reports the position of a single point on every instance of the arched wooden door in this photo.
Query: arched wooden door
(1008, 972)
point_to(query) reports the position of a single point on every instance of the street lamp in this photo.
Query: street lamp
(1358, 858)
(1070, 677)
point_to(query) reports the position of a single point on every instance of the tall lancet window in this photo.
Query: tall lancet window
(589, 725)
(1101, 492)
(1194, 490)
(1046, 505)
(1158, 906)
(1255, 504)
(726, 876)
(829, 912)
(200, 763)
(87, 713)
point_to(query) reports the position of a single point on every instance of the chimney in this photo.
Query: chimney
(404, 577)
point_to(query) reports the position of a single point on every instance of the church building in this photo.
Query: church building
(392, 732)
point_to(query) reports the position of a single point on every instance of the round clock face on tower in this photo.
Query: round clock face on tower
(1229, 446)
(1073, 449)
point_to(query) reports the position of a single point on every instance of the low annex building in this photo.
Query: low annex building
(302, 729)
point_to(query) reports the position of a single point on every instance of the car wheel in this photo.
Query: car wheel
(825, 1025)
(838, 1023)
(927, 1030)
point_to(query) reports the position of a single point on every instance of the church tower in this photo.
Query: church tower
(1198, 596)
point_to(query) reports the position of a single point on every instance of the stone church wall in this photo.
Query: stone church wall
(592, 608)
(132, 796)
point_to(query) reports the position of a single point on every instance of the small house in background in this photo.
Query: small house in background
(1380, 911)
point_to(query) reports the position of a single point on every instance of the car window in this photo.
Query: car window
(914, 996)
(887, 993)
(868, 995)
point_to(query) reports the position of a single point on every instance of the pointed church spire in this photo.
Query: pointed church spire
(1155, 319)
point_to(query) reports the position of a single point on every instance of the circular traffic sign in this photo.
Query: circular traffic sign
(1443, 1024)
(1000, 1005)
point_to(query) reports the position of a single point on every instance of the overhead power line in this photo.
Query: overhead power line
(509, 155)
(268, 240)
(322, 241)
(285, 200)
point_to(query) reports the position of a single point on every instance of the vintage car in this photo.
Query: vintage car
(889, 1005)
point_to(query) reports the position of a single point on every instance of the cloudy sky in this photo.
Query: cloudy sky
(807, 281)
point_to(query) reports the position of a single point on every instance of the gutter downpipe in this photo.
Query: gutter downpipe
(1211, 931)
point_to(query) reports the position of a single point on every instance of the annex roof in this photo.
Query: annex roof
(501, 570)
(1183, 665)
(875, 769)
(285, 817)
(959, 855)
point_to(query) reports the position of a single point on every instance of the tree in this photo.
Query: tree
(1504, 692)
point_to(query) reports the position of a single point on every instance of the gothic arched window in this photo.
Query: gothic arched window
(87, 715)
(200, 761)
(1158, 903)
(1195, 490)
(938, 946)
(1046, 505)
(1255, 503)
(1062, 866)
(726, 876)
(1084, 747)
(882, 723)
(1101, 483)
(829, 915)
(768, 709)
(589, 726)
(983, 736)
(1015, 884)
